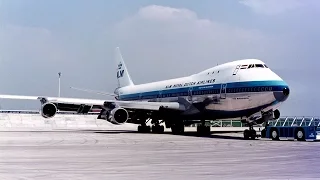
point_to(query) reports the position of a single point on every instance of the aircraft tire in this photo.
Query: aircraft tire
(246, 134)
(203, 130)
(177, 129)
(144, 129)
(157, 129)
(253, 134)
(162, 129)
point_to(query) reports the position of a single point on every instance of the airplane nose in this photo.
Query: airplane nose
(283, 95)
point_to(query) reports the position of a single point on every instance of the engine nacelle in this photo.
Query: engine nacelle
(118, 116)
(48, 110)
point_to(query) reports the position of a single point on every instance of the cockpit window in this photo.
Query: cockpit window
(248, 66)
(244, 67)
(259, 65)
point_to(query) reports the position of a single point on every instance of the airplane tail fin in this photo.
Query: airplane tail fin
(123, 76)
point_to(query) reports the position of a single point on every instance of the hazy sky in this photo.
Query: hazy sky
(158, 39)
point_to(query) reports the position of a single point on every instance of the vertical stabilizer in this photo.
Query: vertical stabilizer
(123, 76)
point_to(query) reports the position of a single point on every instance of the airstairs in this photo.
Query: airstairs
(296, 128)
(296, 121)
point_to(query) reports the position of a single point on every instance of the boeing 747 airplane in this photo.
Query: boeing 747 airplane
(246, 89)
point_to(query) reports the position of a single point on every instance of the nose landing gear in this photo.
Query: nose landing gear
(266, 116)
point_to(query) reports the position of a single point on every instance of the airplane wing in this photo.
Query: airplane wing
(93, 91)
(71, 104)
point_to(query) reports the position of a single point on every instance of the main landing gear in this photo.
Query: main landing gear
(250, 133)
(147, 129)
(143, 128)
(155, 128)
(177, 128)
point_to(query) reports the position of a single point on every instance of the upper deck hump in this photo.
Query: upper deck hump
(231, 64)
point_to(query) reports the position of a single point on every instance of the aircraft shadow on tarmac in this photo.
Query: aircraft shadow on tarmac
(214, 134)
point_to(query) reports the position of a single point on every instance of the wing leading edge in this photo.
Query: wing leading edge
(141, 105)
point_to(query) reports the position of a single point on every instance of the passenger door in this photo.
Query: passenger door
(159, 96)
(236, 70)
(223, 91)
(190, 94)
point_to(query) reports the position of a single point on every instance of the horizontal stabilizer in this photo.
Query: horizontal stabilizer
(19, 97)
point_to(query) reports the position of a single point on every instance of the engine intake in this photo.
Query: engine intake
(118, 116)
(48, 110)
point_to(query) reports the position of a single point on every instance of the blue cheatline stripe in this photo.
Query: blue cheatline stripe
(234, 87)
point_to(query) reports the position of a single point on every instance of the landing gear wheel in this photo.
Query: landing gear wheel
(177, 129)
(246, 134)
(274, 134)
(157, 129)
(144, 129)
(299, 134)
(253, 134)
(203, 130)
(249, 134)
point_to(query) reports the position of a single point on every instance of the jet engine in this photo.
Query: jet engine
(48, 110)
(118, 116)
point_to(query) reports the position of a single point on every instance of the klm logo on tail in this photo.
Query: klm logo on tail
(120, 71)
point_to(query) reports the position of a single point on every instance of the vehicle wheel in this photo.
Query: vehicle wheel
(299, 134)
(274, 134)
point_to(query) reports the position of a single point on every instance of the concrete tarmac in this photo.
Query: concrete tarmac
(125, 154)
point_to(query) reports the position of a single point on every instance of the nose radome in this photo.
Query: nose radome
(283, 95)
(286, 91)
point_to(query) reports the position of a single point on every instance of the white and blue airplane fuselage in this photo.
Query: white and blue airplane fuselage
(236, 89)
